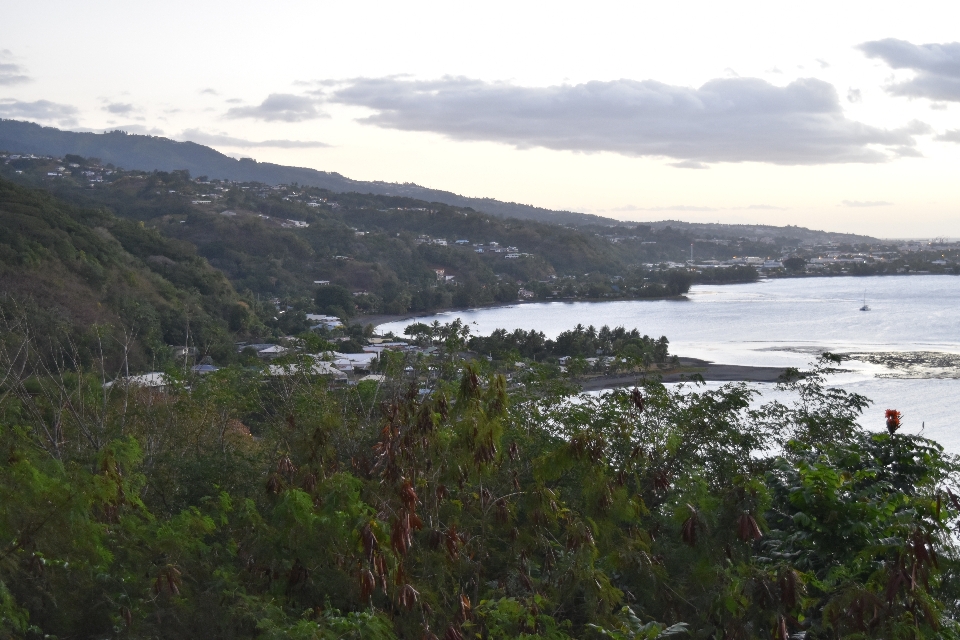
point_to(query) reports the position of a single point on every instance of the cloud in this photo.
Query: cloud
(212, 139)
(823, 63)
(10, 72)
(854, 95)
(121, 108)
(43, 110)
(865, 203)
(937, 67)
(725, 120)
(212, 92)
(282, 107)
(951, 135)
(676, 207)
(689, 164)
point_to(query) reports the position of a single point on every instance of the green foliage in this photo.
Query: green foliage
(98, 268)
(234, 505)
(378, 247)
(335, 300)
(794, 263)
(579, 342)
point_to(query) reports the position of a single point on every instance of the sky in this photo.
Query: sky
(838, 116)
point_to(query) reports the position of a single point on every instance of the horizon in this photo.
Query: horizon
(736, 115)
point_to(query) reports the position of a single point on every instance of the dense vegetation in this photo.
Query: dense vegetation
(384, 249)
(579, 342)
(117, 288)
(237, 506)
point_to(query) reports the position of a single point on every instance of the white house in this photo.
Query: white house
(317, 368)
(324, 322)
(153, 380)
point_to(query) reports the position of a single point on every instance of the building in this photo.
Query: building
(324, 322)
(317, 368)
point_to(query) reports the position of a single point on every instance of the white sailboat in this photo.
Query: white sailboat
(864, 307)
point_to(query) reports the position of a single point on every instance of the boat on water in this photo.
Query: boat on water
(864, 307)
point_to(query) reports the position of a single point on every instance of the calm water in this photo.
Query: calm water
(784, 323)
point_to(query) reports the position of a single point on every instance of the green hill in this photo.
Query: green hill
(67, 270)
(395, 254)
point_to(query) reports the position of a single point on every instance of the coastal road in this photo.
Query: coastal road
(710, 371)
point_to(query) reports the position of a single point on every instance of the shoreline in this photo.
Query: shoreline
(381, 319)
(711, 372)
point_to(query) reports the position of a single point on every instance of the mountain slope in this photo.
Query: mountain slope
(733, 231)
(69, 272)
(149, 153)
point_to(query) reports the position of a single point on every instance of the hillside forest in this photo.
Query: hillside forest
(276, 243)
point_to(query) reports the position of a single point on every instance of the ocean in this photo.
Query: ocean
(905, 349)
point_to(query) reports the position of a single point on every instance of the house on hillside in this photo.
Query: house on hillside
(317, 368)
(324, 322)
(155, 380)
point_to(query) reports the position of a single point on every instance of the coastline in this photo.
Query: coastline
(380, 319)
(711, 372)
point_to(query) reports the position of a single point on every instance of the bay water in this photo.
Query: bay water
(906, 347)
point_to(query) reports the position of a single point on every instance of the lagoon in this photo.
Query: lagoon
(786, 322)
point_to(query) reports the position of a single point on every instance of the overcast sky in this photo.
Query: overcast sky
(840, 116)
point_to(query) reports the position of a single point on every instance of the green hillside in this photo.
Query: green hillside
(274, 243)
(68, 270)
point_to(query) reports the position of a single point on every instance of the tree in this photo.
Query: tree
(335, 300)
(794, 263)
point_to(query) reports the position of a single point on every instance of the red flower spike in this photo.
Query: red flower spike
(893, 420)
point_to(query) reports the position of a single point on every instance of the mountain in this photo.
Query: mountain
(149, 153)
(735, 231)
(395, 254)
(95, 287)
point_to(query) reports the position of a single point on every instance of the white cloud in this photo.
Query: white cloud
(675, 207)
(120, 108)
(10, 72)
(283, 107)
(212, 139)
(951, 135)
(725, 120)
(865, 203)
(689, 164)
(937, 67)
(43, 110)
